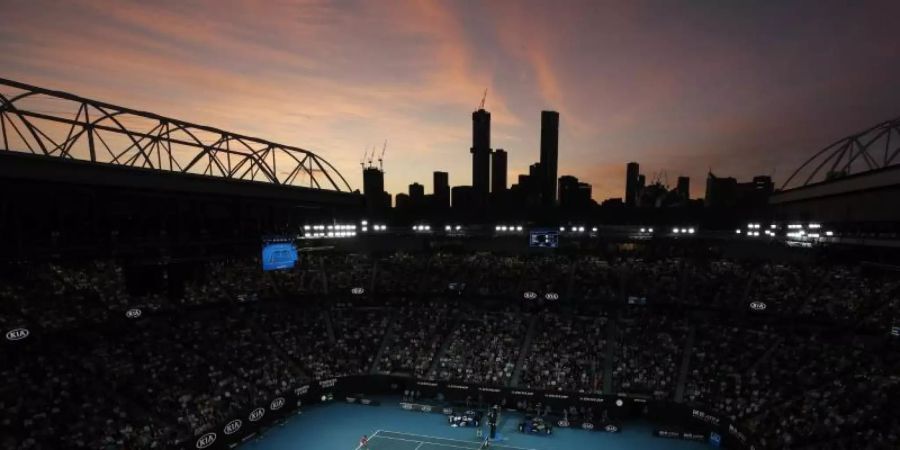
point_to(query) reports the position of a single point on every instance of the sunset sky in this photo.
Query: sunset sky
(744, 88)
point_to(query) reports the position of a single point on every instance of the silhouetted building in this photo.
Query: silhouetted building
(632, 173)
(416, 191)
(377, 201)
(573, 194)
(417, 196)
(402, 202)
(464, 198)
(549, 156)
(684, 188)
(481, 151)
(498, 171)
(441, 190)
(728, 193)
(763, 185)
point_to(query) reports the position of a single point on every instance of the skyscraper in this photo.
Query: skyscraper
(498, 171)
(632, 172)
(441, 190)
(549, 156)
(684, 188)
(481, 152)
(377, 201)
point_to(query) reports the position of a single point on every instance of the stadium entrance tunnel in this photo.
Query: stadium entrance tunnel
(680, 421)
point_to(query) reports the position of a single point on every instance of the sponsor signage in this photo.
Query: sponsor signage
(256, 414)
(758, 306)
(563, 423)
(530, 295)
(704, 417)
(527, 393)
(17, 334)
(895, 330)
(206, 440)
(559, 396)
(328, 383)
(458, 386)
(587, 426)
(357, 291)
(673, 434)
(488, 389)
(276, 404)
(133, 313)
(233, 426)
(302, 390)
(427, 383)
(551, 296)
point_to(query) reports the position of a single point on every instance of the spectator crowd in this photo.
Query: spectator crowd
(815, 369)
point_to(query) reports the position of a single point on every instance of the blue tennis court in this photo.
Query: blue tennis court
(338, 426)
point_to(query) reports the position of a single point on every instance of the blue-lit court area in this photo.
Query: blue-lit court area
(339, 426)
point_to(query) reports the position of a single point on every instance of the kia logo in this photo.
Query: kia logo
(17, 334)
(587, 426)
(563, 423)
(206, 440)
(612, 428)
(133, 313)
(257, 414)
(276, 404)
(530, 295)
(357, 291)
(551, 296)
(233, 426)
(758, 306)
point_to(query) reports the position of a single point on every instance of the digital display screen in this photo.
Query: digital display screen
(278, 256)
(543, 238)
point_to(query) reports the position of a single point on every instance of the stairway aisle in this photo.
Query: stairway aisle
(523, 352)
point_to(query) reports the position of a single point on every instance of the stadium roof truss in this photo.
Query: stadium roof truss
(62, 125)
(875, 148)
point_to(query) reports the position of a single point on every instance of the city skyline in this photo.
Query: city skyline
(677, 87)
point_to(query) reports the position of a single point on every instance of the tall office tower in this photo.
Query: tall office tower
(684, 188)
(481, 152)
(632, 172)
(549, 156)
(498, 171)
(441, 190)
(373, 190)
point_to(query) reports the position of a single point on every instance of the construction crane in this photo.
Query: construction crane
(381, 158)
(483, 98)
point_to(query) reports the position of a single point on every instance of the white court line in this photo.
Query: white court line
(449, 439)
(423, 442)
(370, 437)
(417, 447)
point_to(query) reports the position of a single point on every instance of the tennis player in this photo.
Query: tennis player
(364, 442)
